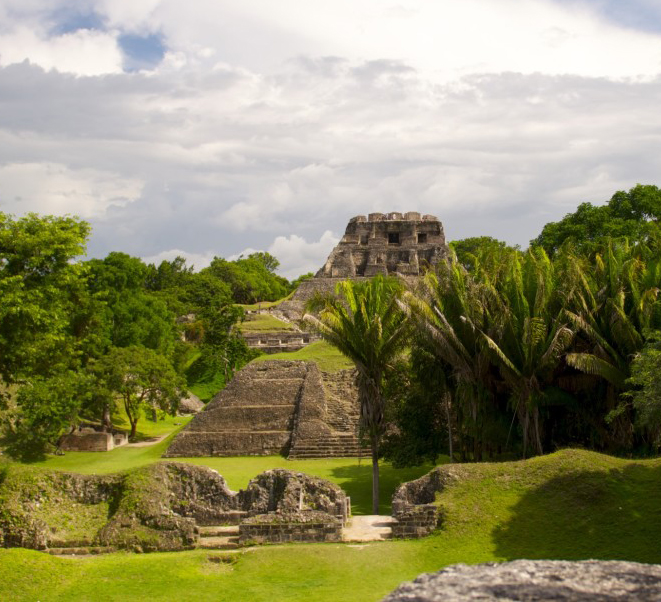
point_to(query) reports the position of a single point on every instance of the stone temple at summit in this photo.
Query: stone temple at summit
(386, 243)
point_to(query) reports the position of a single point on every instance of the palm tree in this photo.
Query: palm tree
(449, 310)
(364, 322)
(612, 306)
(533, 339)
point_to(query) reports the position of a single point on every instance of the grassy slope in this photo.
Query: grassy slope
(264, 323)
(353, 475)
(571, 504)
(325, 355)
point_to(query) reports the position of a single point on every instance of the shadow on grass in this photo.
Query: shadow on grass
(356, 480)
(613, 514)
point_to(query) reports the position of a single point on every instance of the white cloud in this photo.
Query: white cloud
(52, 188)
(279, 121)
(83, 52)
(297, 256)
(197, 260)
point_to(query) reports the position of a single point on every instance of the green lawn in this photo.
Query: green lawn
(325, 355)
(264, 323)
(568, 505)
(264, 304)
(352, 474)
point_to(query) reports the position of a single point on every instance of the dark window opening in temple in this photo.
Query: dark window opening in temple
(393, 238)
(422, 237)
(364, 239)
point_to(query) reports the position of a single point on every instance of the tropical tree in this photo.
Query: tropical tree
(364, 322)
(140, 379)
(533, 339)
(449, 311)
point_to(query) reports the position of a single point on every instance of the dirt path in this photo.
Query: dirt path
(371, 527)
(147, 442)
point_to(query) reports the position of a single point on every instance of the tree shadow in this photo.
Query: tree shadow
(613, 514)
(356, 480)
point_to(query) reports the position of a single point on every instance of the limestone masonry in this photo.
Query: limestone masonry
(386, 243)
(287, 407)
(381, 243)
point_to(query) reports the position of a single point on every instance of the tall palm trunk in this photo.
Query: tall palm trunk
(374, 444)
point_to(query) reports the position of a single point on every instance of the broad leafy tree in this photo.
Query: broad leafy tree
(141, 380)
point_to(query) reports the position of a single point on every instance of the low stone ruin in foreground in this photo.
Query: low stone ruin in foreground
(536, 580)
(164, 507)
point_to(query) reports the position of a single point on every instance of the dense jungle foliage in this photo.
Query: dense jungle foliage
(85, 340)
(527, 351)
(507, 352)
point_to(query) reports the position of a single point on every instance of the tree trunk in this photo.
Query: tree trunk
(375, 474)
(538, 438)
(105, 419)
(449, 420)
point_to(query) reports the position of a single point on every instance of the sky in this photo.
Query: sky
(220, 127)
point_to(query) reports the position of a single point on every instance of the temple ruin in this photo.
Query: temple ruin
(386, 243)
(277, 407)
(291, 407)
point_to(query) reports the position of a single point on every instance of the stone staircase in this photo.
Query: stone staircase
(341, 415)
(339, 445)
(80, 550)
(219, 537)
(371, 527)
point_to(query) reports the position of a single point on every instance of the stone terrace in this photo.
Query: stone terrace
(287, 407)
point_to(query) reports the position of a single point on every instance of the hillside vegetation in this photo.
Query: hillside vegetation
(327, 357)
(572, 504)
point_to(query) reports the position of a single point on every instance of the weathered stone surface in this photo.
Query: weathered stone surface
(531, 580)
(286, 491)
(413, 505)
(89, 439)
(277, 342)
(287, 407)
(390, 243)
(191, 404)
(308, 526)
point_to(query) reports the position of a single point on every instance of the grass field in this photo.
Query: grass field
(264, 323)
(326, 356)
(352, 474)
(568, 505)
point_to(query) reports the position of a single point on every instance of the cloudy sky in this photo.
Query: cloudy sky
(213, 127)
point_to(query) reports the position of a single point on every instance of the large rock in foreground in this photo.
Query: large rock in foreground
(531, 580)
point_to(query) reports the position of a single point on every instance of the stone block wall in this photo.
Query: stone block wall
(415, 521)
(293, 527)
(276, 407)
(414, 508)
(386, 243)
(88, 439)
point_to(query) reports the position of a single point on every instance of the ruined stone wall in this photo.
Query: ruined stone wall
(88, 439)
(391, 243)
(285, 528)
(276, 342)
(413, 505)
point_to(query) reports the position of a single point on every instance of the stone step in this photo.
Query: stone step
(233, 517)
(219, 530)
(81, 550)
(219, 543)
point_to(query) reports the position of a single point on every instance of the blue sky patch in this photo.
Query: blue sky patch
(644, 15)
(141, 52)
(67, 20)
